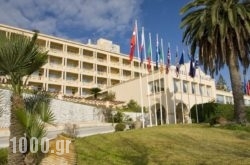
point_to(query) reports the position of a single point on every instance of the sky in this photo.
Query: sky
(80, 20)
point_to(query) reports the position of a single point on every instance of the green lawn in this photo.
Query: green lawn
(173, 144)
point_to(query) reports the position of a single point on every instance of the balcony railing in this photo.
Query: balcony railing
(101, 73)
(55, 79)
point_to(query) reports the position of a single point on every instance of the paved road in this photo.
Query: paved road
(81, 132)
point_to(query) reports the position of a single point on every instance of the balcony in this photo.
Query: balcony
(102, 73)
(101, 86)
(55, 79)
(36, 78)
(88, 84)
(56, 47)
(115, 75)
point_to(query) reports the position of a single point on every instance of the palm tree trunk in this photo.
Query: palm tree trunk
(16, 131)
(239, 108)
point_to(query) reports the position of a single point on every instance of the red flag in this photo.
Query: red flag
(132, 45)
(248, 87)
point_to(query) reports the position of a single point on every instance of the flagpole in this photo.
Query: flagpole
(164, 85)
(149, 102)
(176, 61)
(197, 115)
(140, 81)
(153, 80)
(159, 78)
(168, 59)
(182, 102)
(174, 102)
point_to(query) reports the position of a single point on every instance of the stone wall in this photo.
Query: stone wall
(64, 111)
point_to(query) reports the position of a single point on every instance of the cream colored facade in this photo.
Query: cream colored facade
(168, 96)
(227, 98)
(74, 68)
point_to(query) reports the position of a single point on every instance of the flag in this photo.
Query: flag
(168, 60)
(160, 51)
(196, 65)
(191, 68)
(142, 46)
(157, 53)
(245, 90)
(181, 62)
(248, 87)
(177, 64)
(132, 44)
(149, 56)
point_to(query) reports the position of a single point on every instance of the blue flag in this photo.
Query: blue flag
(192, 68)
(181, 62)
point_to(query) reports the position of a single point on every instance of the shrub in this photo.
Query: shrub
(208, 111)
(218, 120)
(118, 117)
(107, 113)
(120, 127)
(234, 126)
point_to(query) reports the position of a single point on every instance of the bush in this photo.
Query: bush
(120, 127)
(107, 113)
(218, 120)
(118, 117)
(208, 111)
(234, 126)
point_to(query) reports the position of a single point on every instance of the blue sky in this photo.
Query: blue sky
(80, 20)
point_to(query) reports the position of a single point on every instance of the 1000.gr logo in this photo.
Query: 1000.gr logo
(62, 146)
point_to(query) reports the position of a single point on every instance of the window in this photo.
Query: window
(209, 91)
(177, 86)
(185, 86)
(193, 88)
(202, 93)
(220, 99)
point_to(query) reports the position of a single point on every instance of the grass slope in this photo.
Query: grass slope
(172, 144)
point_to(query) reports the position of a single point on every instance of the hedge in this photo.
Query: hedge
(209, 110)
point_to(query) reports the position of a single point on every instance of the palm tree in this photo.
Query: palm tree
(95, 92)
(37, 113)
(19, 58)
(220, 29)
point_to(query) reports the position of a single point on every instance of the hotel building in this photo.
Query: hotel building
(74, 68)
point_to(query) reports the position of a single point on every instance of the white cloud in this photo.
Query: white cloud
(100, 17)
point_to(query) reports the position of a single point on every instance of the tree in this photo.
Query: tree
(36, 114)
(110, 96)
(19, 58)
(132, 106)
(95, 92)
(221, 84)
(220, 29)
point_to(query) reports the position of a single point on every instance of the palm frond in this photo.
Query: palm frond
(20, 56)
(39, 104)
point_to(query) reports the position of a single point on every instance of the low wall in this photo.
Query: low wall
(64, 111)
